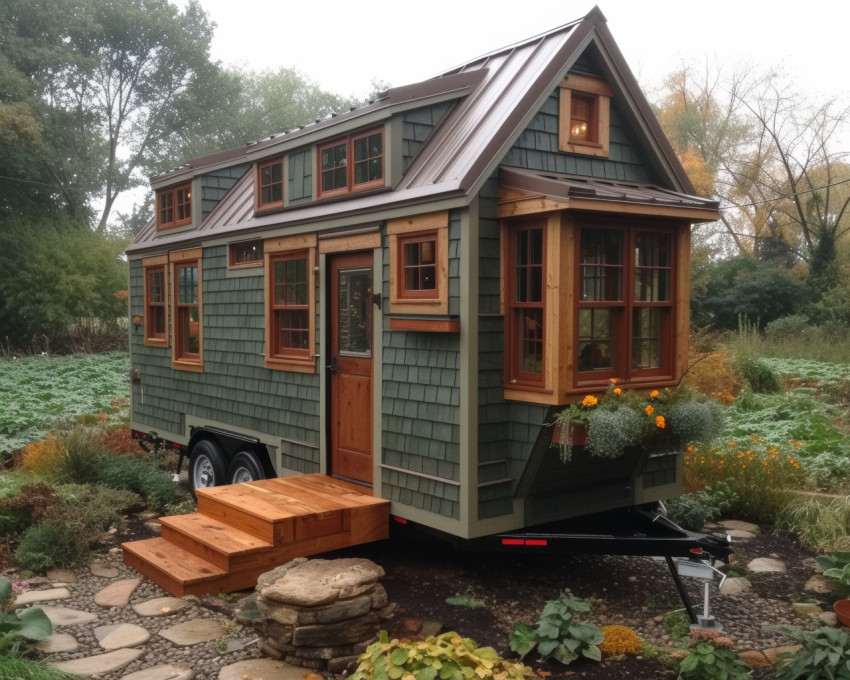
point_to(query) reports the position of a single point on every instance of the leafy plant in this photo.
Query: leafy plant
(466, 600)
(559, 635)
(448, 656)
(836, 566)
(707, 662)
(692, 510)
(824, 654)
(620, 640)
(49, 544)
(30, 624)
(757, 374)
(140, 476)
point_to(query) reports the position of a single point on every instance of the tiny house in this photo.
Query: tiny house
(401, 296)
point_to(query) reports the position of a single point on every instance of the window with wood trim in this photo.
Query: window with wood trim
(585, 115)
(419, 264)
(291, 303)
(625, 304)
(355, 163)
(187, 332)
(525, 347)
(174, 206)
(246, 253)
(156, 306)
(270, 184)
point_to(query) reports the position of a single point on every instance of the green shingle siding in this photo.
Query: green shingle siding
(300, 180)
(417, 125)
(215, 184)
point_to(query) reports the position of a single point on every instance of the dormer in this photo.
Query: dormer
(174, 206)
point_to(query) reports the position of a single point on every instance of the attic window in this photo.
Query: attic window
(174, 206)
(585, 115)
(355, 163)
(270, 184)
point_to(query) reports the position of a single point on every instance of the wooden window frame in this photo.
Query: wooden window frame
(177, 200)
(351, 186)
(623, 335)
(260, 205)
(181, 359)
(150, 266)
(232, 254)
(598, 95)
(431, 226)
(288, 249)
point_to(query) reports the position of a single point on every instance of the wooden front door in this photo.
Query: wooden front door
(350, 366)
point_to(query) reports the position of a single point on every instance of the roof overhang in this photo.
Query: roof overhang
(527, 192)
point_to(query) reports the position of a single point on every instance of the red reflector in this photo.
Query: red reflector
(537, 541)
(400, 520)
(696, 551)
(512, 541)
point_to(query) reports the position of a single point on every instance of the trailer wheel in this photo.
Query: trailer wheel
(206, 466)
(245, 467)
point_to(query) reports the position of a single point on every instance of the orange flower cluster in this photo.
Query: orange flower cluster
(620, 640)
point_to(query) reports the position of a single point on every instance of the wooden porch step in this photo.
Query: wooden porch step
(243, 530)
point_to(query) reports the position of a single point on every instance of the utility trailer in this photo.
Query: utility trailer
(393, 303)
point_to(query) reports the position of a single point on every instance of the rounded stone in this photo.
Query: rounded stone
(103, 570)
(194, 632)
(163, 672)
(58, 642)
(117, 594)
(121, 635)
(160, 606)
(267, 669)
(100, 663)
(48, 595)
(766, 565)
(64, 616)
(318, 582)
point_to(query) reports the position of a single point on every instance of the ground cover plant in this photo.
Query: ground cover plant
(41, 391)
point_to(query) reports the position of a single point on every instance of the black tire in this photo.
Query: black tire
(207, 466)
(245, 467)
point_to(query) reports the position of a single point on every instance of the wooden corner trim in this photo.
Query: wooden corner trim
(426, 325)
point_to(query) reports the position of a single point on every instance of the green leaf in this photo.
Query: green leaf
(427, 673)
(5, 589)
(449, 670)
(399, 656)
(395, 672)
(33, 624)
(592, 652)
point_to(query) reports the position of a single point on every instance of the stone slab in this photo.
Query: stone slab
(194, 632)
(103, 569)
(766, 565)
(64, 616)
(265, 669)
(160, 606)
(62, 575)
(58, 642)
(735, 586)
(100, 663)
(739, 535)
(48, 595)
(121, 635)
(820, 584)
(774, 653)
(738, 525)
(318, 582)
(163, 672)
(117, 594)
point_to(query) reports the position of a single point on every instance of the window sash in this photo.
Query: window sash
(418, 258)
(155, 305)
(174, 206)
(355, 163)
(290, 305)
(270, 183)
(246, 253)
(187, 311)
(526, 340)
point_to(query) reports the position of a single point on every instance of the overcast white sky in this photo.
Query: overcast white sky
(344, 44)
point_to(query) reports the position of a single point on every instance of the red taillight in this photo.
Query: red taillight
(400, 520)
(525, 541)
(696, 551)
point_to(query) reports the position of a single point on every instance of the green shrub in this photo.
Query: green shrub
(140, 476)
(757, 374)
(48, 544)
(787, 327)
(707, 662)
(559, 635)
(692, 510)
(448, 656)
(94, 508)
(696, 421)
(824, 654)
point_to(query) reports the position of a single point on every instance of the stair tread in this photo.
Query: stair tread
(220, 536)
(180, 564)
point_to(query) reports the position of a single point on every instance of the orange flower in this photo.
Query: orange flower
(649, 410)
(617, 390)
(653, 394)
(660, 422)
(732, 444)
(589, 400)
(613, 381)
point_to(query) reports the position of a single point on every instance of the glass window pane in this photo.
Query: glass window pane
(187, 285)
(531, 340)
(595, 342)
(646, 338)
(354, 311)
(155, 286)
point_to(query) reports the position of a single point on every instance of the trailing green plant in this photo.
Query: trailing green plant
(50, 543)
(692, 510)
(140, 476)
(94, 508)
(705, 661)
(30, 624)
(677, 624)
(824, 654)
(448, 657)
(558, 634)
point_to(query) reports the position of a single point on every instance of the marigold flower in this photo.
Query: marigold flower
(660, 422)
(589, 400)
(649, 410)
(613, 381)
(731, 444)
(617, 390)
(653, 394)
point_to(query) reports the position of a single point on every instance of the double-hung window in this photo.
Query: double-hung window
(419, 264)
(270, 184)
(187, 332)
(355, 163)
(156, 301)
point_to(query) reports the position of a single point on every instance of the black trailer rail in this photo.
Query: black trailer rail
(629, 531)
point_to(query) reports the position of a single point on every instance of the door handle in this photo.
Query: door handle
(332, 366)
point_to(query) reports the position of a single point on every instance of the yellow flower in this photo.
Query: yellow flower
(617, 390)
(613, 381)
(649, 410)
(660, 422)
(653, 394)
(589, 400)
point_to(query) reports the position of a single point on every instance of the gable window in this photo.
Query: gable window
(174, 206)
(246, 253)
(525, 349)
(419, 264)
(290, 303)
(625, 304)
(270, 184)
(187, 333)
(585, 115)
(156, 301)
(355, 163)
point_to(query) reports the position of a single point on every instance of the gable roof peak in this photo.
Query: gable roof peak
(596, 15)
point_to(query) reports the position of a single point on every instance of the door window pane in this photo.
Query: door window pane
(355, 305)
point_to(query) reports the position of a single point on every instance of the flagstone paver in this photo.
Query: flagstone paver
(117, 594)
(47, 595)
(160, 606)
(163, 672)
(58, 642)
(100, 663)
(766, 565)
(740, 535)
(267, 669)
(103, 569)
(62, 575)
(121, 635)
(735, 586)
(820, 584)
(64, 616)
(194, 632)
(739, 525)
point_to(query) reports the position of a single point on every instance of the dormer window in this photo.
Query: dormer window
(585, 115)
(355, 163)
(270, 184)
(174, 206)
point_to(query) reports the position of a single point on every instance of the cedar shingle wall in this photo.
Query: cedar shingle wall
(215, 184)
